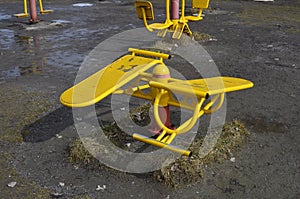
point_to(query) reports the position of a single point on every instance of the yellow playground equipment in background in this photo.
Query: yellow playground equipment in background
(128, 75)
(173, 22)
(32, 10)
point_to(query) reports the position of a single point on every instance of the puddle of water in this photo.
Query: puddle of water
(73, 33)
(104, 2)
(31, 49)
(82, 5)
(59, 21)
(13, 73)
(4, 16)
(65, 59)
(6, 38)
(21, 70)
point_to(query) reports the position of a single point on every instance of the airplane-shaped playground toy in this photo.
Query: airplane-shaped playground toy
(128, 75)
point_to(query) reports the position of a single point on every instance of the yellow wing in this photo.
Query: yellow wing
(104, 82)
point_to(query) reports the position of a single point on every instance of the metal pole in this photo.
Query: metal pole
(161, 74)
(33, 13)
(175, 9)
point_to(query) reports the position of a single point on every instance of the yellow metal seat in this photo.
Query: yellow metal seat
(144, 9)
(145, 12)
(198, 4)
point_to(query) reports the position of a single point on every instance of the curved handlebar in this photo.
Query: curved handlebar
(187, 125)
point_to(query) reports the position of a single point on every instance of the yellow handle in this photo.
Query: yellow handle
(145, 20)
(149, 53)
(208, 110)
(186, 126)
(25, 7)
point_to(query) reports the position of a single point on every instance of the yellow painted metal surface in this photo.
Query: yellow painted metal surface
(149, 53)
(190, 89)
(205, 87)
(202, 96)
(154, 142)
(25, 14)
(144, 9)
(200, 4)
(42, 11)
(145, 12)
(106, 81)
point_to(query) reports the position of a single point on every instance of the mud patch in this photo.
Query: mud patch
(262, 125)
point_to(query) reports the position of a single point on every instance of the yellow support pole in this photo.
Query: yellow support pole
(208, 110)
(182, 18)
(42, 11)
(25, 14)
(161, 135)
(145, 20)
(41, 6)
(168, 18)
(25, 7)
(171, 138)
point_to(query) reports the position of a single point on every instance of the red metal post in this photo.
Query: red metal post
(164, 114)
(161, 74)
(33, 13)
(174, 9)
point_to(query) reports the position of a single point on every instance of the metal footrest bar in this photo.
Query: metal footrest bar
(154, 142)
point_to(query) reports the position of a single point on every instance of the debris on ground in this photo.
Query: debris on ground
(12, 184)
(186, 170)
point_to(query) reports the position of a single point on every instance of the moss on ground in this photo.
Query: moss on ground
(20, 108)
(187, 170)
(184, 170)
(264, 14)
(79, 154)
(202, 37)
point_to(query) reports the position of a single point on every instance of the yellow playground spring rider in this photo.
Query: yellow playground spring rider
(128, 75)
